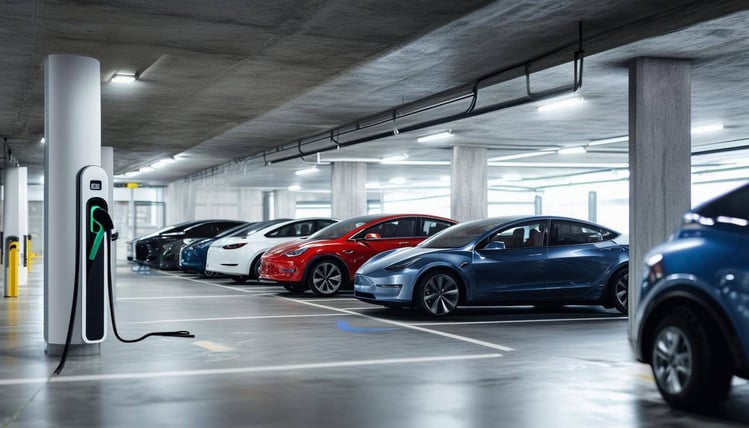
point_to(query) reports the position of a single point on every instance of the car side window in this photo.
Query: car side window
(430, 227)
(528, 235)
(300, 228)
(319, 224)
(571, 233)
(400, 228)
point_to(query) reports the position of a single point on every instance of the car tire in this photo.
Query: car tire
(294, 288)
(255, 268)
(326, 278)
(619, 290)
(689, 361)
(438, 293)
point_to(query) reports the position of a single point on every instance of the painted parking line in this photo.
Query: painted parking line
(243, 370)
(258, 317)
(243, 290)
(549, 320)
(214, 296)
(406, 326)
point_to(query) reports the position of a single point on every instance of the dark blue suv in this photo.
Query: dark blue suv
(692, 321)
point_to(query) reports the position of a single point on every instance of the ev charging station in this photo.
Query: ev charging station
(93, 251)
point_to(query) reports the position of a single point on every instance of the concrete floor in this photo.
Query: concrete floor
(264, 358)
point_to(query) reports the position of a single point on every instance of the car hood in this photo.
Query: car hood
(302, 243)
(387, 258)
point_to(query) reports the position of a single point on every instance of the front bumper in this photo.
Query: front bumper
(396, 289)
(281, 270)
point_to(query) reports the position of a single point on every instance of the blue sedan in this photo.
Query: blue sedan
(501, 261)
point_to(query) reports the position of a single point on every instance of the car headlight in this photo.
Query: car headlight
(402, 264)
(297, 252)
(234, 246)
(654, 266)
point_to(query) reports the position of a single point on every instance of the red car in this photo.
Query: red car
(327, 260)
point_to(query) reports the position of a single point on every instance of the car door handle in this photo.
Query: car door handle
(537, 254)
(403, 243)
(348, 251)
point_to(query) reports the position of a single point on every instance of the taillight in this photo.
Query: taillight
(234, 246)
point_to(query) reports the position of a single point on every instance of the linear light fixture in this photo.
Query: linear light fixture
(522, 155)
(307, 171)
(294, 188)
(123, 78)
(435, 137)
(132, 173)
(391, 159)
(572, 150)
(609, 140)
(146, 169)
(562, 103)
(398, 180)
(708, 127)
(43, 140)
(162, 162)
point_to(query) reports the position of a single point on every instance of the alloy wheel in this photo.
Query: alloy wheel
(672, 360)
(326, 278)
(621, 289)
(441, 294)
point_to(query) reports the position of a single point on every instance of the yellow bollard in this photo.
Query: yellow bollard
(13, 269)
(28, 253)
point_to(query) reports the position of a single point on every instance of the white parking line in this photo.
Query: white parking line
(240, 370)
(519, 321)
(260, 317)
(408, 326)
(215, 296)
(243, 290)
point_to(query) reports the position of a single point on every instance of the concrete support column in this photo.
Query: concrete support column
(15, 217)
(284, 204)
(538, 205)
(348, 186)
(250, 204)
(593, 207)
(72, 104)
(468, 183)
(659, 157)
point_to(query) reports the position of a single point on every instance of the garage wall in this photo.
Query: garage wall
(211, 199)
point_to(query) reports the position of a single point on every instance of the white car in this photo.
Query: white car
(239, 256)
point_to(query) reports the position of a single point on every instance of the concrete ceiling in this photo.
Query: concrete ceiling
(221, 81)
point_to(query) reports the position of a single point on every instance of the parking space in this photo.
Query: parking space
(264, 357)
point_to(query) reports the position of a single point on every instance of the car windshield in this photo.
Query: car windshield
(460, 235)
(254, 227)
(732, 207)
(336, 230)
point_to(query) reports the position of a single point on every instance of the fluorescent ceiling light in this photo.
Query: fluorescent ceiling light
(511, 177)
(562, 103)
(391, 159)
(522, 155)
(162, 162)
(435, 137)
(307, 171)
(571, 150)
(146, 169)
(709, 127)
(123, 78)
(445, 178)
(562, 164)
(43, 140)
(609, 140)
(132, 173)
(398, 180)
(294, 188)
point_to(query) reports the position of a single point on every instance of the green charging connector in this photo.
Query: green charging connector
(98, 229)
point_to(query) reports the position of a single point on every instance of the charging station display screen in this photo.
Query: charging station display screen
(95, 272)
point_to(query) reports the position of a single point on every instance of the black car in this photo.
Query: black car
(173, 242)
(148, 248)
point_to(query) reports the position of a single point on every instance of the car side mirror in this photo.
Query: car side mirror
(372, 235)
(495, 245)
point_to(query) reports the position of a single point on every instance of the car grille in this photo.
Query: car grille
(364, 295)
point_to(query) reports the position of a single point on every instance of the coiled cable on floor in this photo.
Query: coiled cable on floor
(105, 222)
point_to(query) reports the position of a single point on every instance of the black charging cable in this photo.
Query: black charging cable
(101, 217)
